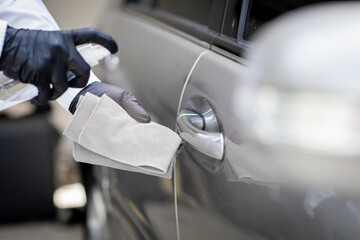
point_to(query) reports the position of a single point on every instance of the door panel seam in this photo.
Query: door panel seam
(188, 78)
(178, 110)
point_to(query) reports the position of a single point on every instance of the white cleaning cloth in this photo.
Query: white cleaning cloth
(104, 134)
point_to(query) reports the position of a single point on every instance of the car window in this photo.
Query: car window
(207, 13)
(194, 10)
(147, 3)
(215, 22)
(216, 16)
(232, 17)
(262, 11)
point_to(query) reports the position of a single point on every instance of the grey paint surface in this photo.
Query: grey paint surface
(154, 64)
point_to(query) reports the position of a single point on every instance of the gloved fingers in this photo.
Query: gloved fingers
(124, 98)
(80, 68)
(44, 93)
(58, 79)
(134, 109)
(91, 35)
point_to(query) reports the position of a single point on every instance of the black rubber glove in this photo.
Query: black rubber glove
(44, 57)
(124, 98)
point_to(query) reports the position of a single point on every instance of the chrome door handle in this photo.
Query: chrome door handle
(190, 125)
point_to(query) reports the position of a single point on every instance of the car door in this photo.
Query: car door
(153, 62)
(225, 179)
(185, 62)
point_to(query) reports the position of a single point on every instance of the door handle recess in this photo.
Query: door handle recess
(191, 127)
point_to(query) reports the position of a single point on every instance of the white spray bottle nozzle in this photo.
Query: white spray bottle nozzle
(100, 52)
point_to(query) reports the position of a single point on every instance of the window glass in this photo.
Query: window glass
(232, 17)
(195, 10)
(147, 3)
(262, 11)
(217, 12)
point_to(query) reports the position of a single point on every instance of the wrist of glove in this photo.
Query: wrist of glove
(124, 98)
(44, 57)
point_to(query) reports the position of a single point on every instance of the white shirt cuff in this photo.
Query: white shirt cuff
(67, 97)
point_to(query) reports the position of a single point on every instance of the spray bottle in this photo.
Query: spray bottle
(13, 92)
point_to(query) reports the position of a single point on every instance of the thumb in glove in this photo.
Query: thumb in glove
(124, 98)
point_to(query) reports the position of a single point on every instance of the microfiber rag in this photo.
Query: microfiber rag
(105, 134)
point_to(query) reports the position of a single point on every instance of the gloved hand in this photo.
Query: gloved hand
(44, 57)
(124, 98)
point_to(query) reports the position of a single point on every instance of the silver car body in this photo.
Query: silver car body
(233, 197)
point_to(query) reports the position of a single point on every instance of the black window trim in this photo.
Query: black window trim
(223, 16)
(242, 21)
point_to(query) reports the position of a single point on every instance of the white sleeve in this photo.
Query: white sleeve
(33, 14)
(3, 26)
